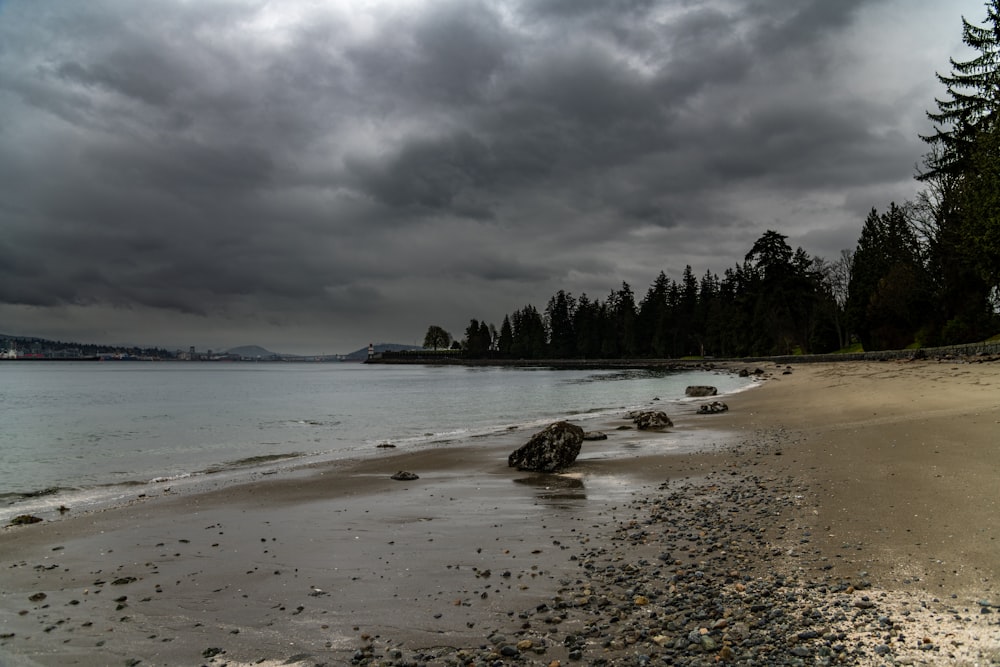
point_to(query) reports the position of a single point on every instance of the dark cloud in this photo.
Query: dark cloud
(308, 175)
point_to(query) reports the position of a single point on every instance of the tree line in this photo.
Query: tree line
(924, 272)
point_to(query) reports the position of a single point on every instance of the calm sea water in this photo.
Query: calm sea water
(93, 427)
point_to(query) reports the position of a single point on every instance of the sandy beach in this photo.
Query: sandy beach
(840, 513)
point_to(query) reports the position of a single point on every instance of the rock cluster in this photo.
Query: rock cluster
(552, 449)
(712, 408)
(699, 391)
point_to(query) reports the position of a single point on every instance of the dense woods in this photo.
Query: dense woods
(925, 272)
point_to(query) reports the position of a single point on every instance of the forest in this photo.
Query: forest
(923, 273)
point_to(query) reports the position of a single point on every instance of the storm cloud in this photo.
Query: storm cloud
(315, 176)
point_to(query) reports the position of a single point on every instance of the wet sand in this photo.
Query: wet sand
(878, 480)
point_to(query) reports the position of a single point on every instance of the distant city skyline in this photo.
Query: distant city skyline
(314, 177)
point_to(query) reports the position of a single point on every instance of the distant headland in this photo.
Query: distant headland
(29, 348)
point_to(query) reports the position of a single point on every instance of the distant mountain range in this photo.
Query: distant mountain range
(258, 352)
(60, 349)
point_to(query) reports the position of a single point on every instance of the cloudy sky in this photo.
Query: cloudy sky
(315, 175)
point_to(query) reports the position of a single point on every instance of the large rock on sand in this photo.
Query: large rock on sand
(701, 390)
(712, 408)
(651, 420)
(550, 450)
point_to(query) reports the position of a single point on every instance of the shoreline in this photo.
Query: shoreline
(40, 494)
(836, 494)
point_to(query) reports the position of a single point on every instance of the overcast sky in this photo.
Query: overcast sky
(312, 176)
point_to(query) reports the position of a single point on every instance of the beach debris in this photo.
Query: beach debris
(698, 391)
(552, 449)
(595, 435)
(712, 408)
(650, 420)
(405, 476)
(24, 519)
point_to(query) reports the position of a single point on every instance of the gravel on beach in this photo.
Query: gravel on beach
(719, 569)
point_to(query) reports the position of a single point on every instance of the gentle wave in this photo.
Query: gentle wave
(99, 435)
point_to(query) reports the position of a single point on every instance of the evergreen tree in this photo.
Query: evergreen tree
(970, 108)
(887, 293)
(620, 334)
(958, 212)
(506, 339)
(529, 335)
(709, 315)
(588, 326)
(979, 203)
(687, 314)
(478, 339)
(652, 338)
(559, 316)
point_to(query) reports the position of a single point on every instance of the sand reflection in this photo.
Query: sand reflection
(554, 488)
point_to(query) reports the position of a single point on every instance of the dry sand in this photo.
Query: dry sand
(879, 479)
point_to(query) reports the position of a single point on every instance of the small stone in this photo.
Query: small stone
(405, 476)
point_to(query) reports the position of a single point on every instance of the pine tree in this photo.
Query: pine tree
(973, 98)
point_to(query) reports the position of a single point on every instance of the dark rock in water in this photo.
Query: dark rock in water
(712, 408)
(700, 390)
(651, 420)
(550, 450)
(744, 373)
(595, 435)
(24, 519)
(404, 476)
(385, 445)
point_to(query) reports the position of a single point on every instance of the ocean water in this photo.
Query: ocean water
(92, 428)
